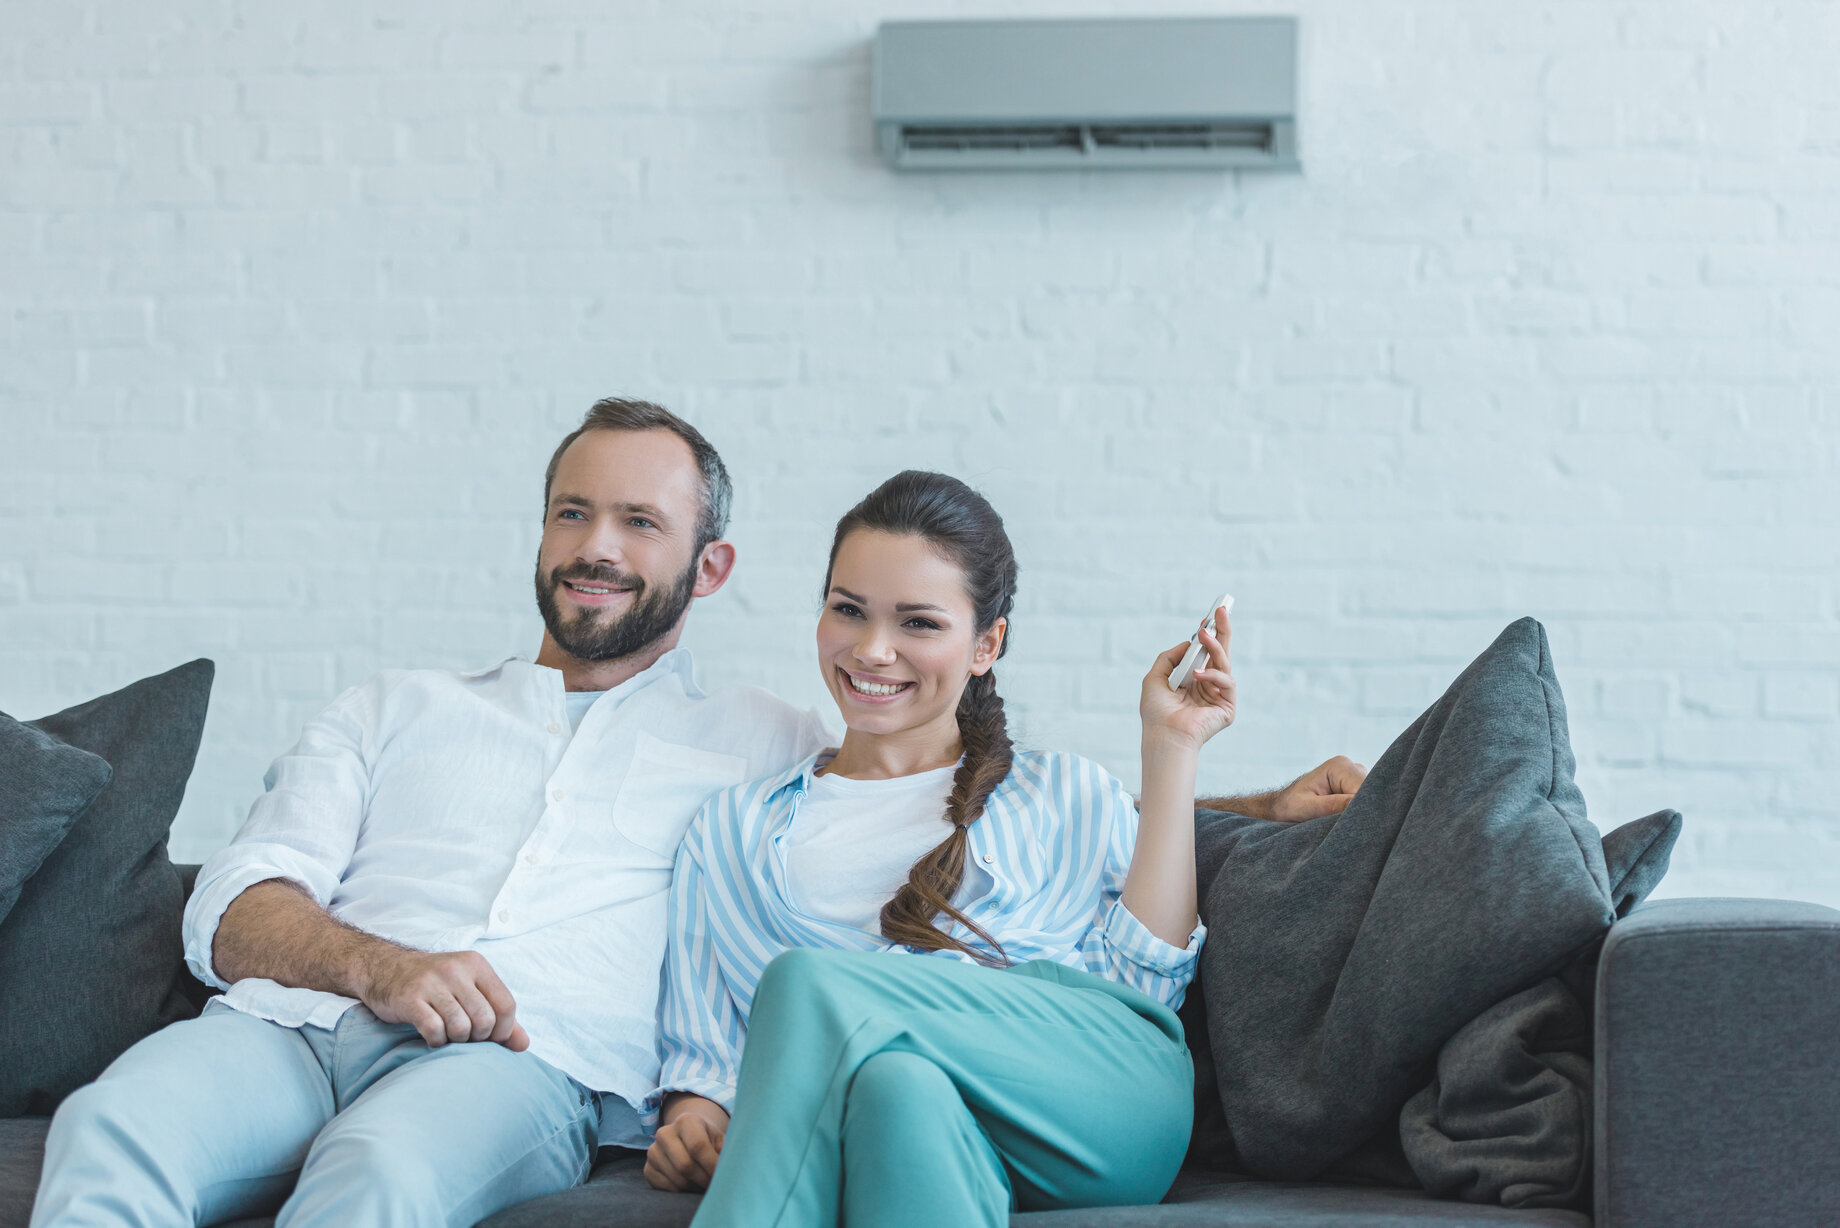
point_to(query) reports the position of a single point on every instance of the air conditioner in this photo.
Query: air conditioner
(1114, 93)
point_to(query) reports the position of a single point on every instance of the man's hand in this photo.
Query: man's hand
(1322, 790)
(451, 996)
(682, 1157)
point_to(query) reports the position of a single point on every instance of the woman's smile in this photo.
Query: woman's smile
(867, 688)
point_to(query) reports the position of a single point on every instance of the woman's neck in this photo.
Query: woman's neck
(871, 756)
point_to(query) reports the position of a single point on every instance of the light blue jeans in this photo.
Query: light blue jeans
(220, 1116)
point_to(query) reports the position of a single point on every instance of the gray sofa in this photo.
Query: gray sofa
(1718, 1102)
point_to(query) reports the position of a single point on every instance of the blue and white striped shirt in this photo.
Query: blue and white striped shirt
(1044, 875)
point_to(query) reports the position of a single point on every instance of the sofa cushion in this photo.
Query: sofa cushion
(44, 785)
(90, 955)
(617, 1194)
(1344, 952)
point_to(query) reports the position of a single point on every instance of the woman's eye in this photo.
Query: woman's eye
(846, 609)
(925, 624)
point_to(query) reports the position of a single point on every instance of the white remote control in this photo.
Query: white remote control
(1185, 669)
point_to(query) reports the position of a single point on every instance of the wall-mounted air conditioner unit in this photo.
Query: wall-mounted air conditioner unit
(1200, 92)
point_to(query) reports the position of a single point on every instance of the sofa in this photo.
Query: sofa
(1718, 1102)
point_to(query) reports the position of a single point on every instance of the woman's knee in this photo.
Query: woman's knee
(797, 978)
(894, 1085)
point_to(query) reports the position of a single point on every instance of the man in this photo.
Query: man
(441, 927)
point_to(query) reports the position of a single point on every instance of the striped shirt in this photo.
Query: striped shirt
(1044, 875)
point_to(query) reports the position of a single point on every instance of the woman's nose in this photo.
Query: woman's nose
(874, 648)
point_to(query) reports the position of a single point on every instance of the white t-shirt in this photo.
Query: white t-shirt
(852, 842)
(578, 703)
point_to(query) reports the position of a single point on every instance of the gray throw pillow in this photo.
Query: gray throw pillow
(44, 786)
(1342, 953)
(90, 955)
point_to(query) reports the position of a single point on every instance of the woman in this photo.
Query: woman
(1037, 1063)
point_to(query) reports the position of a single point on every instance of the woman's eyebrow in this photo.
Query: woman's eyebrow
(903, 607)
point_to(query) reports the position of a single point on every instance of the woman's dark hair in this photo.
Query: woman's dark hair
(961, 525)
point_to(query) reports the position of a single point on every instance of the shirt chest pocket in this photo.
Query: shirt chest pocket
(665, 787)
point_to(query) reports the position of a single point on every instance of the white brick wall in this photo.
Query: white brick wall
(294, 303)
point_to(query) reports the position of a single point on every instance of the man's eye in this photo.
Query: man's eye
(641, 522)
(568, 512)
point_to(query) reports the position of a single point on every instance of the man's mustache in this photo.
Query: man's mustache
(588, 573)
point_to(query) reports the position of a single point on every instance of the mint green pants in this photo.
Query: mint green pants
(896, 1091)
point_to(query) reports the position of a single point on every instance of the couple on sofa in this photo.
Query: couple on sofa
(441, 930)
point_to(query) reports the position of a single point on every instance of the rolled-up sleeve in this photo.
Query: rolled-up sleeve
(1119, 945)
(701, 1031)
(302, 828)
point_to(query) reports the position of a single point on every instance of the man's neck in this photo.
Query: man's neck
(580, 675)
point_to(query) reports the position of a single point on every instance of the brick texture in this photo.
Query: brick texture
(294, 303)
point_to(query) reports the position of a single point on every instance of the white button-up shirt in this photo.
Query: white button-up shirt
(449, 811)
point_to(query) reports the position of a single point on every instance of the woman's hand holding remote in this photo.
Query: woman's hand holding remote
(1203, 706)
(1160, 888)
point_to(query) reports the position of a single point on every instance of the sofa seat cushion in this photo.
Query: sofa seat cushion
(617, 1194)
(22, 1154)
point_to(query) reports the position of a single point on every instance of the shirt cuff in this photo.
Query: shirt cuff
(219, 883)
(651, 1110)
(1131, 938)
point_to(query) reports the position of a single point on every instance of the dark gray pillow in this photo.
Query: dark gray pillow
(90, 955)
(1343, 952)
(44, 786)
(1636, 857)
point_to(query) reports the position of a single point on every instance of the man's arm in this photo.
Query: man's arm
(275, 930)
(1323, 790)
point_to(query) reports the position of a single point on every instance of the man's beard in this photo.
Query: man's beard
(593, 637)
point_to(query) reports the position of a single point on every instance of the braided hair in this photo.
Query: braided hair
(961, 524)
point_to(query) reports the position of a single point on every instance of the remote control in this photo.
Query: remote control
(1185, 669)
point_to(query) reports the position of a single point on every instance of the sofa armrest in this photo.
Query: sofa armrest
(1718, 1081)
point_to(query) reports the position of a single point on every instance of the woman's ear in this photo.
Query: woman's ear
(984, 652)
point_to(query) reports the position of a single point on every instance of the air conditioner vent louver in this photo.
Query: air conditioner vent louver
(1183, 136)
(1008, 140)
(1084, 139)
(1212, 92)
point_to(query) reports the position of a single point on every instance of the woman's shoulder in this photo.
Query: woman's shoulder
(740, 808)
(1061, 776)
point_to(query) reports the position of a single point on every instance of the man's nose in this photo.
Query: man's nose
(601, 544)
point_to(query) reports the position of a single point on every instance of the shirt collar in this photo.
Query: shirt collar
(677, 661)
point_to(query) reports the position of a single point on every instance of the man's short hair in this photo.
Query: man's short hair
(620, 414)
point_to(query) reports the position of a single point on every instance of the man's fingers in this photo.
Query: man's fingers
(519, 1040)
(426, 1020)
(494, 990)
(455, 1022)
(1317, 805)
(482, 1019)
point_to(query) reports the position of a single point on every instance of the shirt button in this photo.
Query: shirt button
(988, 859)
(504, 914)
(556, 794)
(554, 727)
(530, 859)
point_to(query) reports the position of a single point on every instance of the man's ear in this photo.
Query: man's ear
(713, 568)
(989, 644)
